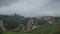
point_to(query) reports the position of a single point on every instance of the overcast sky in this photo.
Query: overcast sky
(30, 8)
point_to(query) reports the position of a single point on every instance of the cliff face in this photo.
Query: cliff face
(32, 23)
(2, 25)
(49, 19)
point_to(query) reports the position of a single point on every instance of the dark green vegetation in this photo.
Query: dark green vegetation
(14, 20)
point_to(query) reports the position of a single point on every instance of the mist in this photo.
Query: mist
(30, 8)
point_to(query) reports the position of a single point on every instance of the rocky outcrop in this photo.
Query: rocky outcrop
(20, 27)
(32, 24)
(49, 19)
(2, 25)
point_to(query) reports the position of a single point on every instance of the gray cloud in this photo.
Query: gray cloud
(7, 2)
(30, 7)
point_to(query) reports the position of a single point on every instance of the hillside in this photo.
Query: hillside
(45, 29)
(15, 24)
(48, 29)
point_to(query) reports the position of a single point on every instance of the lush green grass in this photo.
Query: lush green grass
(15, 33)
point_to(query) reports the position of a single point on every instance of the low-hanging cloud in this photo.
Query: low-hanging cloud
(30, 8)
(7, 2)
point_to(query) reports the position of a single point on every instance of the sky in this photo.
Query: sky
(30, 8)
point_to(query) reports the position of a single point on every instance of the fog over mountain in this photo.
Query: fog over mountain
(30, 8)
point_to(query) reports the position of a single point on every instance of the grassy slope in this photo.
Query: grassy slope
(16, 33)
(46, 29)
